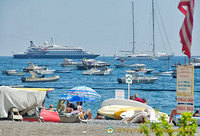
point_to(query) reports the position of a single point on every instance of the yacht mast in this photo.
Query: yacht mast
(153, 28)
(133, 50)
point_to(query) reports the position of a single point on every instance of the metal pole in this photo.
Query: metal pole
(133, 50)
(128, 91)
(153, 28)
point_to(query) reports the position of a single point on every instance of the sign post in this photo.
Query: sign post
(129, 81)
(185, 88)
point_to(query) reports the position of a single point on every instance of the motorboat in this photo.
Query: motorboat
(122, 65)
(139, 79)
(98, 71)
(140, 71)
(15, 73)
(32, 67)
(91, 63)
(35, 78)
(195, 62)
(70, 63)
(164, 73)
(6, 71)
(63, 71)
(44, 71)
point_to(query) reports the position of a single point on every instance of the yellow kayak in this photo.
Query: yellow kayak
(135, 109)
(37, 89)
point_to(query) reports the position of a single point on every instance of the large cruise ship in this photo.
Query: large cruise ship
(54, 52)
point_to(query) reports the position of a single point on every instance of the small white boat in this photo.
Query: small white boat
(140, 71)
(32, 67)
(164, 73)
(70, 63)
(63, 71)
(98, 71)
(44, 71)
(6, 71)
(195, 62)
(138, 79)
(122, 65)
(35, 78)
(15, 73)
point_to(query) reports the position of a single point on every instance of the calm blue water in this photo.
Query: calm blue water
(159, 95)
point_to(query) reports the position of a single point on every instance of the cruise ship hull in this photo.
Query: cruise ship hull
(25, 56)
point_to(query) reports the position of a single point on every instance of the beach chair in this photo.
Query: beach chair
(36, 116)
(14, 114)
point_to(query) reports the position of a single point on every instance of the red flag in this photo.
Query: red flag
(187, 8)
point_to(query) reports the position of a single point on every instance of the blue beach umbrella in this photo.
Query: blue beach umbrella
(80, 99)
(64, 97)
(83, 91)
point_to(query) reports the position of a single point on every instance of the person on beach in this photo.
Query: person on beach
(61, 107)
(79, 106)
(85, 115)
(131, 98)
(196, 114)
(144, 100)
(173, 113)
(138, 99)
(50, 107)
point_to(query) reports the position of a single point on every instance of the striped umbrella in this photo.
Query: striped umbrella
(83, 91)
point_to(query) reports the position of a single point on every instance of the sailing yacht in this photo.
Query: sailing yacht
(142, 56)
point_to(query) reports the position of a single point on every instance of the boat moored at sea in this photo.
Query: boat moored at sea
(34, 78)
(54, 52)
(98, 71)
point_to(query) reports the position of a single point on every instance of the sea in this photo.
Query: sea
(161, 94)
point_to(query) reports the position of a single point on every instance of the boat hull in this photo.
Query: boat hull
(26, 56)
(147, 80)
(50, 79)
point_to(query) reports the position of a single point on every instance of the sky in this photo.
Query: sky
(98, 26)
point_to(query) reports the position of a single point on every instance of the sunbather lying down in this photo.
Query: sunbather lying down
(86, 115)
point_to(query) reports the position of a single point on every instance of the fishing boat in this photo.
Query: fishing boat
(33, 67)
(70, 63)
(98, 71)
(144, 56)
(34, 78)
(54, 51)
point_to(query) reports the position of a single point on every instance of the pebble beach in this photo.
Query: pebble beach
(92, 128)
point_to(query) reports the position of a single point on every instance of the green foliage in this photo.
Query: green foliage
(144, 128)
(187, 125)
(157, 127)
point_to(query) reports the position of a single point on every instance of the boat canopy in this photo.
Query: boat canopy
(21, 99)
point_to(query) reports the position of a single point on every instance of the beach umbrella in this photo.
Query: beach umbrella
(80, 99)
(83, 91)
(64, 97)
